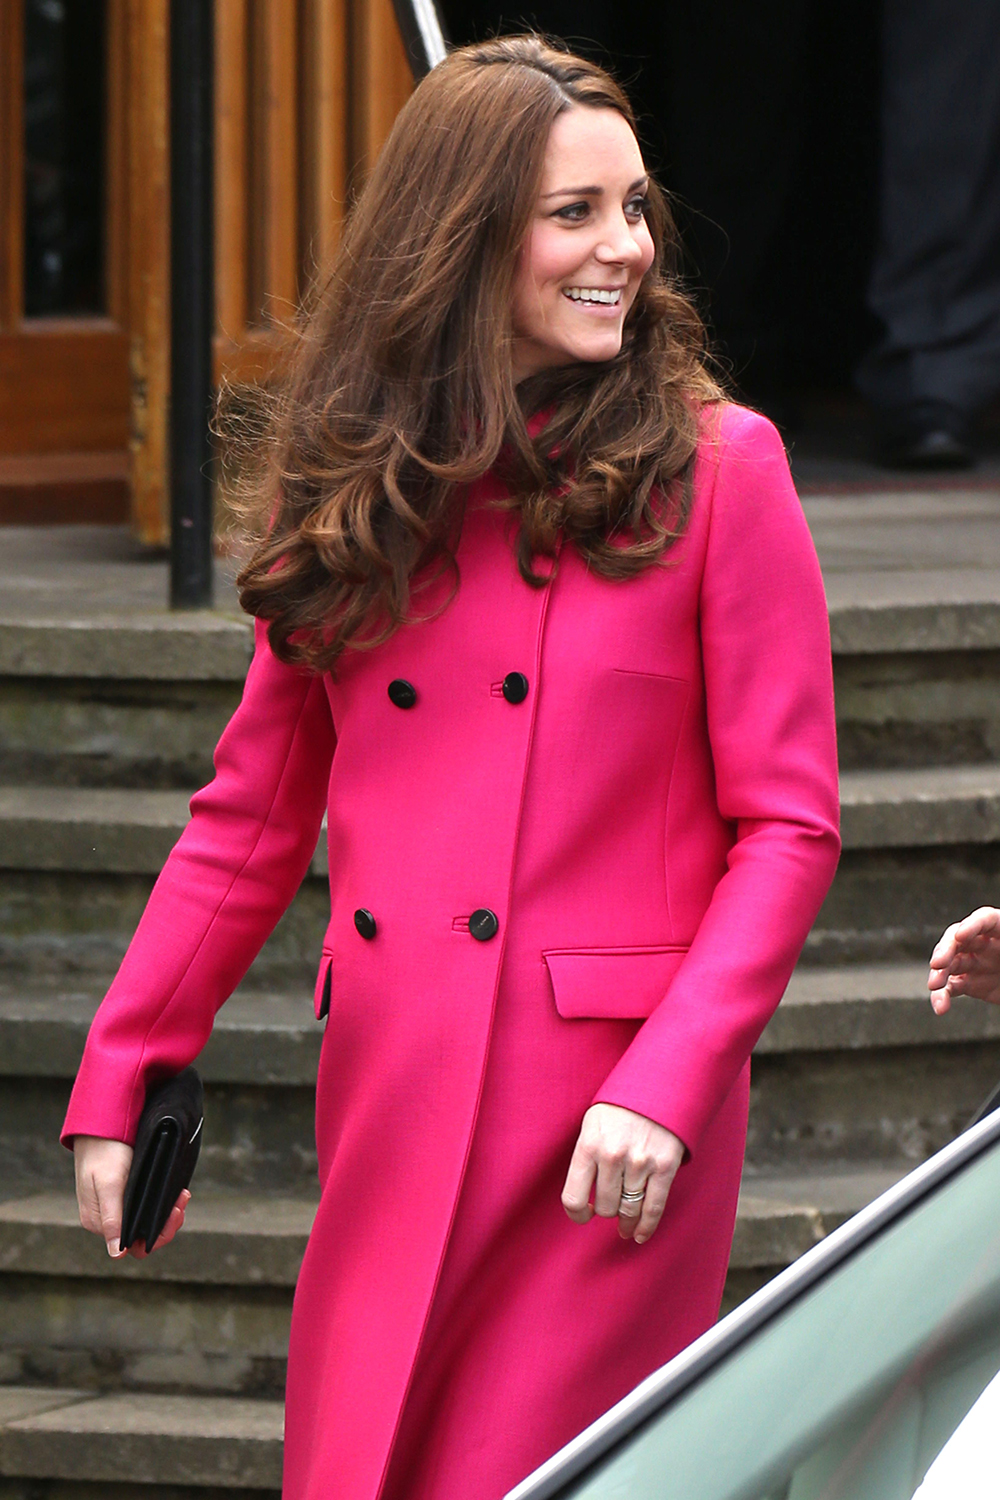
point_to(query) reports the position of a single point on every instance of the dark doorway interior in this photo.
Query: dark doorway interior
(763, 121)
(64, 89)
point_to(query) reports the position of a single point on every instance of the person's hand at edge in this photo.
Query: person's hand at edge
(102, 1169)
(966, 960)
(619, 1152)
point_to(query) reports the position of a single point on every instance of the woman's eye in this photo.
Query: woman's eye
(573, 213)
(636, 207)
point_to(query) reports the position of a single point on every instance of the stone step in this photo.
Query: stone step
(211, 1312)
(859, 1006)
(255, 1241)
(263, 1038)
(129, 1439)
(870, 613)
(111, 830)
(58, 928)
(854, 1065)
(258, 1039)
(781, 1215)
(190, 646)
(911, 808)
(909, 709)
(130, 831)
(140, 700)
(259, 1068)
(249, 1240)
(107, 734)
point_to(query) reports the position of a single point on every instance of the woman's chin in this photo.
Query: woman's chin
(597, 350)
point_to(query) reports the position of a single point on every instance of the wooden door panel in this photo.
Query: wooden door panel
(65, 390)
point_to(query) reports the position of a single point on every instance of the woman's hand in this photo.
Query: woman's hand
(102, 1169)
(966, 960)
(619, 1152)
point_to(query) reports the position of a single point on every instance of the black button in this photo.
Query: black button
(365, 922)
(403, 693)
(515, 687)
(483, 924)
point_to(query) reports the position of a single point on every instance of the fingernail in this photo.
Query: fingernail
(114, 1249)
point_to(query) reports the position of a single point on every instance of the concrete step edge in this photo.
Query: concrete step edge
(261, 1040)
(853, 1007)
(921, 807)
(885, 627)
(880, 614)
(226, 1242)
(782, 1216)
(190, 647)
(201, 1441)
(129, 831)
(260, 1241)
(99, 830)
(274, 1040)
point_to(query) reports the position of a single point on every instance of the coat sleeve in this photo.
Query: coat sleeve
(769, 704)
(232, 873)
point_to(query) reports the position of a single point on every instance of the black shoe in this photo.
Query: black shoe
(930, 436)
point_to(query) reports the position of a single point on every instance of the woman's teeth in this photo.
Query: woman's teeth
(593, 294)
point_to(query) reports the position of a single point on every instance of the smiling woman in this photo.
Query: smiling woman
(581, 804)
(587, 249)
(444, 327)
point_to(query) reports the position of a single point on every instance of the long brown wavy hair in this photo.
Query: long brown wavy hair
(401, 390)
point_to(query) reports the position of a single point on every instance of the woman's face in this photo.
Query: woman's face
(588, 247)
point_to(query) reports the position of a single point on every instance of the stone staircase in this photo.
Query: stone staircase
(168, 1373)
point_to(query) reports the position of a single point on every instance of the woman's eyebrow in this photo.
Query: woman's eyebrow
(592, 192)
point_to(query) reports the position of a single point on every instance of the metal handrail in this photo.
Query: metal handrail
(423, 33)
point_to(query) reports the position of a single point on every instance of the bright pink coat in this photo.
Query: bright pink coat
(655, 827)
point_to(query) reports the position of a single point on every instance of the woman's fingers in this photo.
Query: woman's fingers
(610, 1181)
(653, 1204)
(629, 1162)
(638, 1220)
(102, 1169)
(170, 1228)
(635, 1181)
(578, 1185)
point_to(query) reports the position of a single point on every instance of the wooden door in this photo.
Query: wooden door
(64, 417)
(306, 91)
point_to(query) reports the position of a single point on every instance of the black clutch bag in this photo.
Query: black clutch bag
(166, 1149)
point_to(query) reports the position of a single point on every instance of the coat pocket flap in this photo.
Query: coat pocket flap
(611, 983)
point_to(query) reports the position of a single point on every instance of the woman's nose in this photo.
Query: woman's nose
(619, 245)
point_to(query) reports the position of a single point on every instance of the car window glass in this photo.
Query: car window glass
(853, 1390)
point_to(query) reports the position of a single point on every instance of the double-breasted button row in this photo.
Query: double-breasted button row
(483, 924)
(514, 688)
